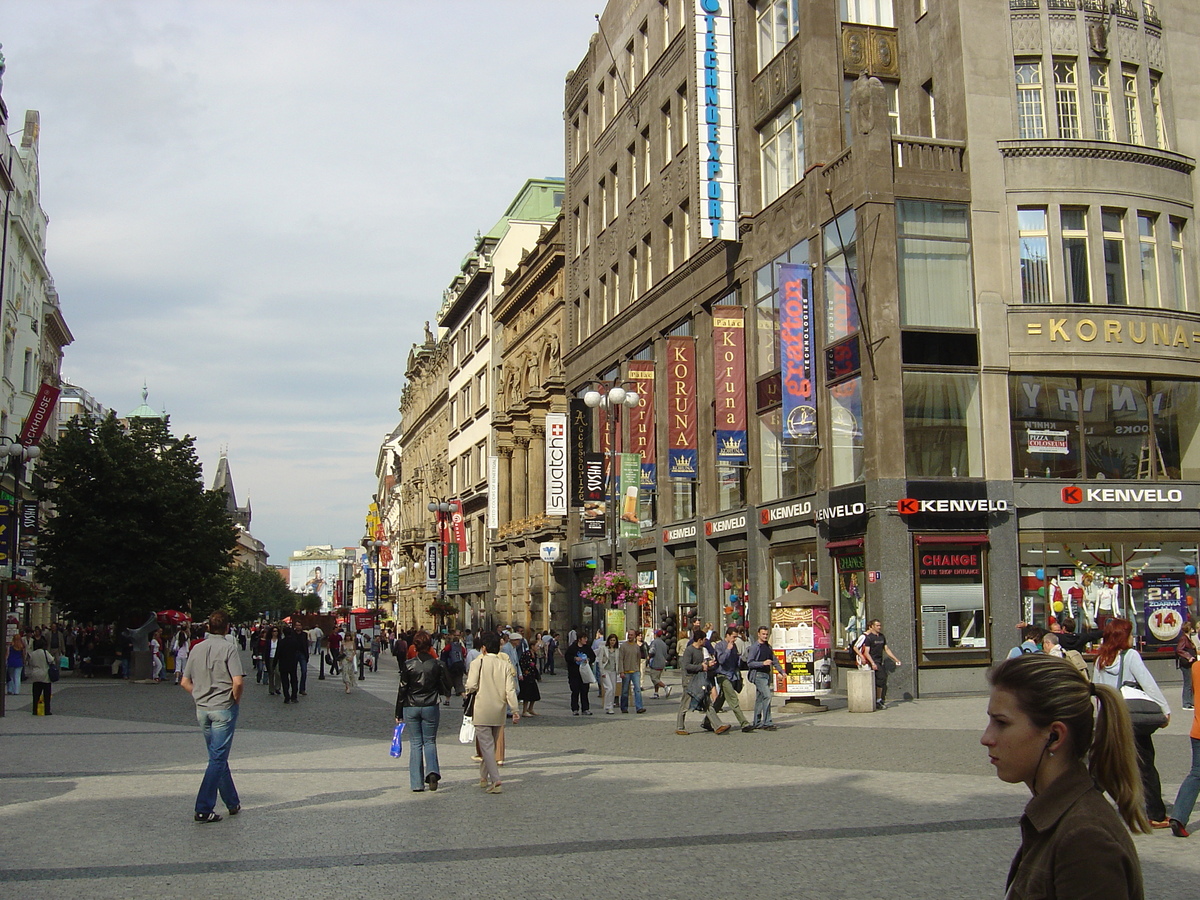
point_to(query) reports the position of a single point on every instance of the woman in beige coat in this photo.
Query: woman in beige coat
(492, 681)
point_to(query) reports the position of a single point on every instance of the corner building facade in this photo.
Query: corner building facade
(916, 283)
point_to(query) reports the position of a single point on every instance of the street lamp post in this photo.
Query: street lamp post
(373, 548)
(612, 400)
(18, 454)
(441, 509)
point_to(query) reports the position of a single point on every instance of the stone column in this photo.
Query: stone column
(520, 477)
(504, 514)
(537, 470)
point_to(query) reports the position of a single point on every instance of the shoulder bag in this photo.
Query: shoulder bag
(1145, 713)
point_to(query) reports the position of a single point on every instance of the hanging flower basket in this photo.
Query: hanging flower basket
(441, 608)
(614, 588)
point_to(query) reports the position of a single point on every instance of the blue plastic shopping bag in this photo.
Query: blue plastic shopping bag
(397, 743)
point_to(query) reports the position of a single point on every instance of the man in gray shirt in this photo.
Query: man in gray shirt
(213, 676)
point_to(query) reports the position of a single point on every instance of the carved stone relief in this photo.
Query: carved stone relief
(1026, 34)
(1064, 34)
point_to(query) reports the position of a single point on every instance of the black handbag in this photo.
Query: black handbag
(469, 705)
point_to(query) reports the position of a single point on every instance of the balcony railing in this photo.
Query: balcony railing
(928, 154)
(1022, 4)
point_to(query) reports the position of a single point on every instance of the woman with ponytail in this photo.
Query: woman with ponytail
(1070, 742)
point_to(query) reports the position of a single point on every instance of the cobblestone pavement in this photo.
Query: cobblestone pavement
(96, 801)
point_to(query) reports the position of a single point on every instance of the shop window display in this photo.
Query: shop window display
(795, 566)
(851, 597)
(1149, 578)
(735, 589)
(1102, 428)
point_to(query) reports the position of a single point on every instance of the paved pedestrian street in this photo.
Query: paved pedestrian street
(96, 802)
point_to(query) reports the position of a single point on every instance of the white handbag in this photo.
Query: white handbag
(466, 732)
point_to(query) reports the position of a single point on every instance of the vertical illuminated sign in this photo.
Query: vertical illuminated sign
(796, 363)
(682, 455)
(556, 464)
(581, 445)
(714, 120)
(729, 382)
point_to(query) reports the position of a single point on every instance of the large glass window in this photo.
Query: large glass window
(1133, 112)
(850, 572)
(731, 486)
(1035, 255)
(846, 431)
(1106, 428)
(735, 589)
(1178, 284)
(841, 274)
(943, 429)
(951, 593)
(1148, 243)
(1160, 131)
(782, 151)
(687, 587)
(1101, 102)
(1112, 225)
(1090, 576)
(1075, 254)
(794, 566)
(778, 23)
(1031, 115)
(868, 12)
(1066, 98)
(934, 252)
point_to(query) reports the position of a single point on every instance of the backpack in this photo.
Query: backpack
(1075, 658)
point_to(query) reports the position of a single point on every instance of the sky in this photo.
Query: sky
(255, 205)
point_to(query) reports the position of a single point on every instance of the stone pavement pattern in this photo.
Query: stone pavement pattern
(96, 802)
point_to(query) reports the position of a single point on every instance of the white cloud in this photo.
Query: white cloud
(255, 205)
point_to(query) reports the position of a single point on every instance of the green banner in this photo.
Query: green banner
(452, 567)
(631, 480)
(614, 620)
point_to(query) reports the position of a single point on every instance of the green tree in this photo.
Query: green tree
(133, 528)
(310, 603)
(248, 594)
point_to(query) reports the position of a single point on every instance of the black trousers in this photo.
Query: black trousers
(290, 678)
(579, 692)
(1151, 783)
(41, 689)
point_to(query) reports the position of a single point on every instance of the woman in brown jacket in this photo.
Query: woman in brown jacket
(492, 682)
(1043, 731)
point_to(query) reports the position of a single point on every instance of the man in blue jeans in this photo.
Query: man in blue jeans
(213, 676)
(760, 660)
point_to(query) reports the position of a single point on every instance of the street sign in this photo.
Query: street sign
(551, 551)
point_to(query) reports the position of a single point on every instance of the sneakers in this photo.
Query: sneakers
(723, 729)
(879, 704)
(669, 689)
(206, 818)
(235, 810)
(495, 789)
(768, 728)
(608, 712)
(1177, 828)
(574, 712)
(1189, 706)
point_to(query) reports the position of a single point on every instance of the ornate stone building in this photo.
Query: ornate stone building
(527, 337)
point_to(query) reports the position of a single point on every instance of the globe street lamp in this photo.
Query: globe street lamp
(373, 548)
(612, 400)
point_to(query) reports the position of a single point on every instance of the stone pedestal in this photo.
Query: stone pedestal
(860, 690)
(139, 665)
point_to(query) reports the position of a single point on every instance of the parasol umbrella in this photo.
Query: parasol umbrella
(173, 617)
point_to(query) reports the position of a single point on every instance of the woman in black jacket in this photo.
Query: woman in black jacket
(423, 682)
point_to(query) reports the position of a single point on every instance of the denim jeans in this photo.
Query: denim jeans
(762, 699)
(303, 673)
(635, 679)
(421, 725)
(1185, 800)
(218, 726)
(14, 679)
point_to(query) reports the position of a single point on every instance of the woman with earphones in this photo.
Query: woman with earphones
(1069, 741)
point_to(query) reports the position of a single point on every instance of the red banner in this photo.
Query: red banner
(641, 420)
(459, 526)
(39, 415)
(729, 382)
(683, 456)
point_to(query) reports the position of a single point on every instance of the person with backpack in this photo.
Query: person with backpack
(1031, 641)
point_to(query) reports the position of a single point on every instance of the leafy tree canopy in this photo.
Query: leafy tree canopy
(248, 594)
(133, 528)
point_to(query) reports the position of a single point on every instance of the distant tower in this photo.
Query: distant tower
(145, 411)
(223, 481)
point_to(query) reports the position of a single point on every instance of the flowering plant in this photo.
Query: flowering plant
(615, 588)
(441, 608)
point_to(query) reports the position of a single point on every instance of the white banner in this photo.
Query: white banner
(493, 475)
(556, 464)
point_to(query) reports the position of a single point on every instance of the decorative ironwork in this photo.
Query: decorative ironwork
(1060, 4)
(1022, 4)
(1124, 8)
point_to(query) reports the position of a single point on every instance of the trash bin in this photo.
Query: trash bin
(860, 690)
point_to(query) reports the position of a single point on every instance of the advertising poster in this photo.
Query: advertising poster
(683, 456)
(614, 623)
(796, 350)
(800, 637)
(1165, 606)
(641, 421)
(729, 382)
(631, 479)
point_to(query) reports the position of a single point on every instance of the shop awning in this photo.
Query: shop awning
(800, 597)
(841, 545)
